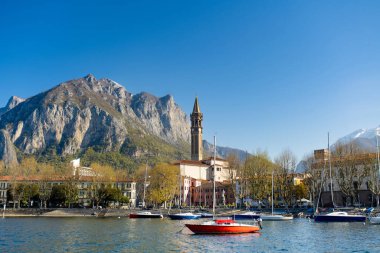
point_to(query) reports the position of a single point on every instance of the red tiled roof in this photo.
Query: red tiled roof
(56, 178)
(191, 162)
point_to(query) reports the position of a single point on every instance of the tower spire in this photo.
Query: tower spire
(196, 132)
(196, 106)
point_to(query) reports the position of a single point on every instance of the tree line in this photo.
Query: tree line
(34, 183)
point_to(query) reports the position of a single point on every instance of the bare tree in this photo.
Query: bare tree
(234, 171)
(286, 163)
(349, 173)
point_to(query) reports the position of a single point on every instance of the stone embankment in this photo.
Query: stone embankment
(64, 212)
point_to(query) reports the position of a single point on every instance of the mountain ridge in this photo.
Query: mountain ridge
(88, 112)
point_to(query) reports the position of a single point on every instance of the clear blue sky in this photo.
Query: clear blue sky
(269, 74)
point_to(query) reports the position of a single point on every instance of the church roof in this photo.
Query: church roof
(191, 162)
(196, 108)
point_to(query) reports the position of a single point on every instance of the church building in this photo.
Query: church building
(198, 170)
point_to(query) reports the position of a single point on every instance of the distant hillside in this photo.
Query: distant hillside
(223, 152)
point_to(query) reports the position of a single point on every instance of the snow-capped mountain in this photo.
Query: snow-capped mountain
(364, 138)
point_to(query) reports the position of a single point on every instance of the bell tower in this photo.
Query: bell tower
(196, 132)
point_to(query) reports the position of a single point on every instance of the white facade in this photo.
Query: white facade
(203, 170)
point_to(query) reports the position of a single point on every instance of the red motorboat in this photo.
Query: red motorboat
(227, 226)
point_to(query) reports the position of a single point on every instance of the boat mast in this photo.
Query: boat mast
(378, 166)
(146, 172)
(180, 189)
(272, 191)
(214, 175)
(329, 155)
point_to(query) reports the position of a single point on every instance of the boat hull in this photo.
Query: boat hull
(347, 218)
(374, 220)
(145, 216)
(246, 216)
(275, 217)
(184, 217)
(215, 229)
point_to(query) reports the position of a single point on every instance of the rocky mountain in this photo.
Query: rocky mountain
(7, 150)
(87, 112)
(12, 102)
(98, 113)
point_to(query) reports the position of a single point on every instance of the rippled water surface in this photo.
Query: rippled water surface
(145, 235)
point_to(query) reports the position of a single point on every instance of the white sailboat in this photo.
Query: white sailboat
(272, 216)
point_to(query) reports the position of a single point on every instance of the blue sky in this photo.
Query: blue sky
(269, 74)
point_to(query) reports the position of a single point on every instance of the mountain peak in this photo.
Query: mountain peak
(90, 78)
(13, 102)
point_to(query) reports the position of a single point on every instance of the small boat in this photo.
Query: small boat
(374, 219)
(227, 226)
(275, 217)
(145, 215)
(339, 217)
(205, 215)
(184, 216)
(247, 216)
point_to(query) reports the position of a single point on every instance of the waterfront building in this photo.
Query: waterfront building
(84, 178)
(354, 177)
(198, 171)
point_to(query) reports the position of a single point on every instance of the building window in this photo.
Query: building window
(356, 185)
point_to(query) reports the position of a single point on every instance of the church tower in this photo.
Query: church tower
(196, 132)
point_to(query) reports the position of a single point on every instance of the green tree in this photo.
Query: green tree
(258, 170)
(71, 191)
(163, 183)
(46, 173)
(58, 195)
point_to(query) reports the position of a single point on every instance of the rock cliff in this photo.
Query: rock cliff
(87, 112)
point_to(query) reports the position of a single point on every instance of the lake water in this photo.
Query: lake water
(155, 235)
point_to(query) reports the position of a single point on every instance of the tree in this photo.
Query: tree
(286, 163)
(103, 175)
(163, 183)
(258, 171)
(71, 191)
(3, 171)
(46, 173)
(373, 171)
(234, 172)
(348, 172)
(315, 177)
(58, 195)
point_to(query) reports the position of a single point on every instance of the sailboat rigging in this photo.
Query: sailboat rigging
(222, 226)
(336, 216)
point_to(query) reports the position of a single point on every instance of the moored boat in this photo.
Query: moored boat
(247, 216)
(145, 215)
(184, 216)
(339, 217)
(222, 226)
(227, 226)
(374, 219)
(206, 215)
(275, 217)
